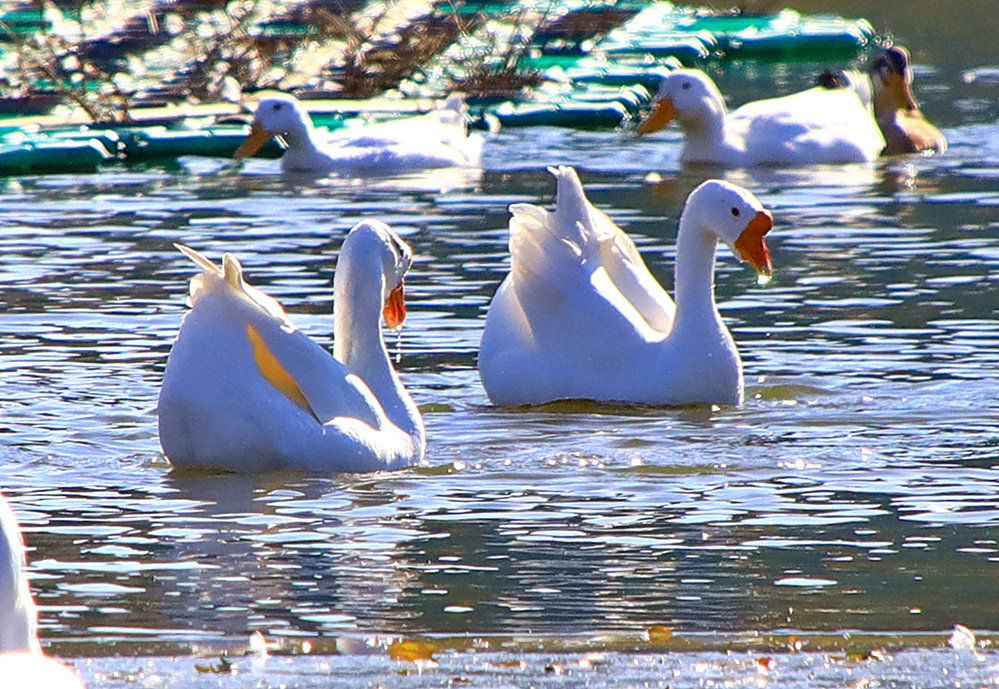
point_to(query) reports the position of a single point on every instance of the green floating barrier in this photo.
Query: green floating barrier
(220, 142)
(572, 115)
(621, 75)
(810, 40)
(20, 22)
(633, 98)
(662, 28)
(105, 137)
(689, 50)
(52, 156)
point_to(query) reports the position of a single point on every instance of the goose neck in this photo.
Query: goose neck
(301, 137)
(694, 273)
(359, 295)
(708, 126)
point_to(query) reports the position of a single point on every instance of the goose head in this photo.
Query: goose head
(686, 95)
(277, 115)
(892, 78)
(736, 217)
(373, 238)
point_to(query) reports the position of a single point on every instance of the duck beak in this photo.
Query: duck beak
(898, 86)
(751, 246)
(662, 114)
(395, 308)
(257, 138)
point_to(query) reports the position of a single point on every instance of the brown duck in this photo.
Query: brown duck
(895, 108)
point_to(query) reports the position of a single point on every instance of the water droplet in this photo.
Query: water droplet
(762, 279)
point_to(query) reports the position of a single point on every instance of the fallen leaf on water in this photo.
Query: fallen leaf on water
(412, 651)
(258, 646)
(859, 656)
(765, 665)
(962, 638)
(659, 634)
(591, 660)
(224, 667)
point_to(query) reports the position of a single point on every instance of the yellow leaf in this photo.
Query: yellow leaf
(765, 664)
(224, 667)
(412, 650)
(658, 634)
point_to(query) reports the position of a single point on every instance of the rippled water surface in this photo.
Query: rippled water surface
(856, 489)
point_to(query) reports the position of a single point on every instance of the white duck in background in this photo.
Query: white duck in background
(581, 317)
(22, 663)
(820, 125)
(438, 139)
(245, 390)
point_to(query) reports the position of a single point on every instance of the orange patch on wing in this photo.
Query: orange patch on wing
(275, 373)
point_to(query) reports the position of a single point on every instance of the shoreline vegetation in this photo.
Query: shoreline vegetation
(105, 59)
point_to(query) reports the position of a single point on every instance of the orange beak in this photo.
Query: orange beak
(662, 114)
(752, 247)
(898, 86)
(395, 308)
(257, 138)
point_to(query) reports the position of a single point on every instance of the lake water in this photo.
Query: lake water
(855, 493)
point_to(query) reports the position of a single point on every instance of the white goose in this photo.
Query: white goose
(580, 316)
(245, 390)
(820, 125)
(22, 663)
(437, 139)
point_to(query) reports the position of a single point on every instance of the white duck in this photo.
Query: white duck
(580, 316)
(245, 390)
(437, 139)
(820, 125)
(22, 663)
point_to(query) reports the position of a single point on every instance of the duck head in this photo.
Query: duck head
(375, 238)
(686, 95)
(736, 217)
(892, 78)
(278, 115)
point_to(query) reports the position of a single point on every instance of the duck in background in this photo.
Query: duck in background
(581, 317)
(905, 128)
(437, 139)
(22, 663)
(820, 125)
(246, 391)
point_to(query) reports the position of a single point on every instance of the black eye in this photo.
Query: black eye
(277, 106)
(686, 85)
(735, 211)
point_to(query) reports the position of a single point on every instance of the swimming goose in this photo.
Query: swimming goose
(581, 317)
(895, 108)
(437, 139)
(22, 663)
(820, 125)
(245, 390)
